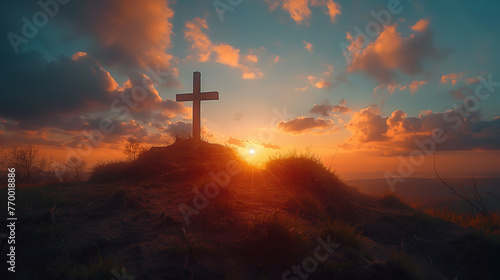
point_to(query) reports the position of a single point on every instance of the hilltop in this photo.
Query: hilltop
(194, 210)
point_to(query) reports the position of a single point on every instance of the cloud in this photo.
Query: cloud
(366, 126)
(222, 53)
(333, 9)
(271, 146)
(299, 9)
(236, 141)
(413, 86)
(391, 53)
(308, 46)
(125, 33)
(251, 58)
(420, 26)
(324, 80)
(36, 89)
(461, 93)
(276, 59)
(470, 81)
(326, 109)
(301, 125)
(238, 116)
(181, 129)
(273, 4)
(66, 96)
(318, 82)
(399, 133)
(302, 88)
(452, 78)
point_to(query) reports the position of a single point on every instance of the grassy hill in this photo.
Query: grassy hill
(196, 211)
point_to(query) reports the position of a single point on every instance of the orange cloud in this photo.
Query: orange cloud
(326, 109)
(333, 9)
(390, 52)
(236, 141)
(299, 9)
(322, 82)
(227, 55)
(301, 125)
(400, 134)
(222, 53)
(308, 46)
(471, 81)
(420, 26)
(252, 58)
(124, 34)
(393, 86)
(414, 85)
(302, 88)
(452, 78)
(270, 146)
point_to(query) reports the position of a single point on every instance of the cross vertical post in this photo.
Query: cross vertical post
(196, 106)
(197, 96)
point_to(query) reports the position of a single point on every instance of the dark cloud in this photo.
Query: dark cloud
(390, 53)
(326, 109)
(399, 133)
(33, 88)
(236, 141)
(306, 124)
(270, 146)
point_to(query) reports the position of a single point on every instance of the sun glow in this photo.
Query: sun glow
(251, 151)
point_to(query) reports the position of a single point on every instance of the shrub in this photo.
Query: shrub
(390, 199)
(296, 166)
(348, 236)
(105, 172)
(274, 240)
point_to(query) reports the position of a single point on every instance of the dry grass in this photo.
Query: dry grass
(302, 167)
(465, 219)
(348, 236)
(392, 200)
(274, 239)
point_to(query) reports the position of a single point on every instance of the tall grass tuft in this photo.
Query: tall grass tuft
(274, 240)
(346, 235)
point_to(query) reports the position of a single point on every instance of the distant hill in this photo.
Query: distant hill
(430, 192)
(194, 210)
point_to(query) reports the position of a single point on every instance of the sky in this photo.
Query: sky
(373, 88)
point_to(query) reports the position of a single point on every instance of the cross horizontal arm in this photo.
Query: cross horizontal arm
(211, 95)
(184, 97)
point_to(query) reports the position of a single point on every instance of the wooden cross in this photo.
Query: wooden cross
(197, 96)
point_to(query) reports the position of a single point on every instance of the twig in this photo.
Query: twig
(480, 208)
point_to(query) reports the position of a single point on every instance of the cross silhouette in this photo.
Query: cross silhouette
(197, 96)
